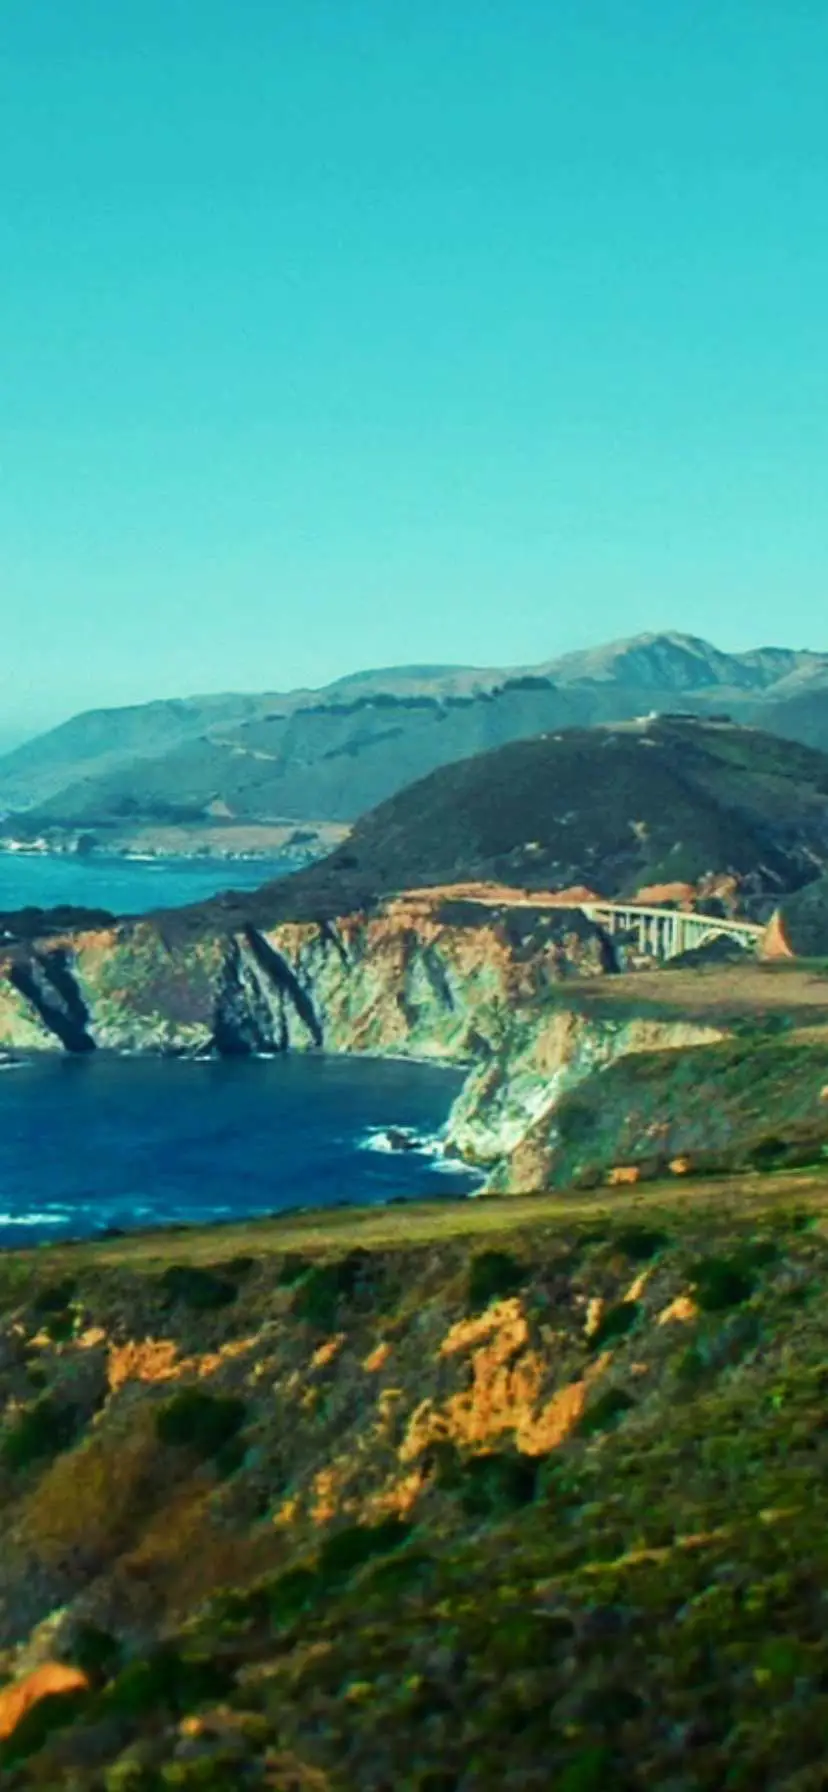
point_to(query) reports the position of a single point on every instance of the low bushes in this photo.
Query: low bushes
(488, 1485)
(493, 1275)
(202, 1290)
(204, 1423)
(605, 1412)
(324, 1287)
(38, 1432)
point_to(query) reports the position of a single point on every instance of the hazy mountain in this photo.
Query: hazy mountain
(333, 754)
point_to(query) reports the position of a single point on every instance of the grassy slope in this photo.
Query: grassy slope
(633, 1599)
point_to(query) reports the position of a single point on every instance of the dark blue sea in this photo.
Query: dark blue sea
(91, 1143)
(94, 1142)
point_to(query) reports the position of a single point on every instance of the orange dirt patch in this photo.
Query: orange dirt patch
(324, 1491)
(682, 1309)
(595, 1311)
(18, 1699)
(685, 894)
(636, 1288)
(326, 1352)
(505, 1394)
(157, 1359)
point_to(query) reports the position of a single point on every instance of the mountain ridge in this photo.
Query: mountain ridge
(334, 753)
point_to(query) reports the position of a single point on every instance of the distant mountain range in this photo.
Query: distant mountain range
(331, 755)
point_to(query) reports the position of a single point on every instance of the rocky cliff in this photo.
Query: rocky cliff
(497, 985)
(480, 986)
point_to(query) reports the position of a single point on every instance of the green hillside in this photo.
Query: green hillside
(499, 1495)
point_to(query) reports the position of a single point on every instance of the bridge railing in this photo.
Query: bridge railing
(638, 910)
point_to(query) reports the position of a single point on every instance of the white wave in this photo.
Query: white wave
(33, 1219)
(396, 1139)
(418, 1144)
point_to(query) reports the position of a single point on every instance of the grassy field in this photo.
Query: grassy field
(411, 1225)
(794, 989)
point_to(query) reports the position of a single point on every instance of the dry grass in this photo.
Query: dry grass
(786, 986)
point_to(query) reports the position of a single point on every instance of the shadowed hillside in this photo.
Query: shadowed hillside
(614, 809)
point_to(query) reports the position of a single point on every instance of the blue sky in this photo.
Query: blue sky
(344, 334)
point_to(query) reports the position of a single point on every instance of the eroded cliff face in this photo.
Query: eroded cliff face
(422, 976)
(504, 1100)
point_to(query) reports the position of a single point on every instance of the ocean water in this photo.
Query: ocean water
(96, 1142)
(125, 886)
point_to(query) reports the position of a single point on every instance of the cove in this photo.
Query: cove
(88, 1144)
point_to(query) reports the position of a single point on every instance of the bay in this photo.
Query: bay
(125, 886)
(91, 1143)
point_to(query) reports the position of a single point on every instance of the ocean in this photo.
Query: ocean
(92, 1143)
(125, 886)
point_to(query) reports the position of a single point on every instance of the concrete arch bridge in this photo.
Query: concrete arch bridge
(665, 932)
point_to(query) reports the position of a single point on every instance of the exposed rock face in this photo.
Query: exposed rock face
(505, 1102)
(483, 982)
(421, 976)
(405, 978)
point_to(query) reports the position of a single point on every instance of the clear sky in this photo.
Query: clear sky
(344, 333)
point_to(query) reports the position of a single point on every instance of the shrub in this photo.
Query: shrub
(488, 1485)
(166, 1679)
(292, 1268)
(291, 1594)
(203, 1423)
(347, 1550)
(55, 1297)
(96, 1652)
(61, 1326)
(229, 1458)
(641, 1243)
(497, 1483)
(199, 1289)
(238, 1267)
(38, 1432)
(318, 1297)
(718, 1347)
(493, 1275)
(615, 1322)
(396, 1573)
(604, 1412)
(300, 1588)
(721, 1282)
